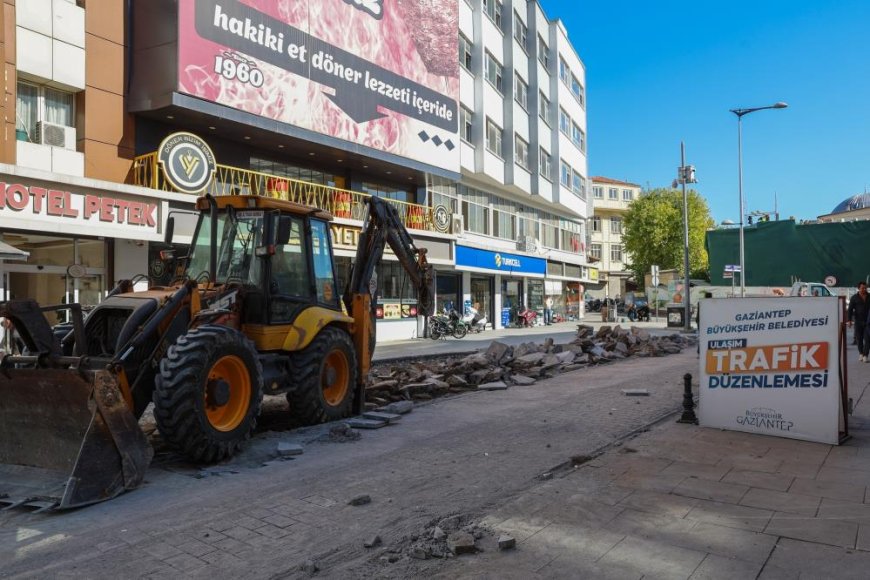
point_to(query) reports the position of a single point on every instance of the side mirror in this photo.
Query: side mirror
(170, 229)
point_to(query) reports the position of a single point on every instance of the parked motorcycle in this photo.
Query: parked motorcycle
(526, 317)
(449, 324)
(474, 320)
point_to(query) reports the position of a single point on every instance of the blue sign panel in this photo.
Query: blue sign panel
(499, 261)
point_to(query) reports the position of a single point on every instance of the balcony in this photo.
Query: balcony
(341, 203)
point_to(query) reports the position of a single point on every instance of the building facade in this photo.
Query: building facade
(473, 126)
(611, 199)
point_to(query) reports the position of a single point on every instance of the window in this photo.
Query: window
(564, 121)
(578, 136)
(578, 91)
(494, 73)
(494, 136)
(521, 31)
(545, 169)
(596, 224)
(612, 193)
(616, 253)
(544, 109)
(464, 52)
(521, 152)
(598, 192)
(565, 174)
(35, 104)
(289, 269)
(595, 251)
(578, 185)
(324, 276)
(627, 195)
(543, 53)
(466, 120)
(493, 8)
(615, 225)
(503, 224)
(521, 92)
(475, 210)
(564, 73)
(387, 192)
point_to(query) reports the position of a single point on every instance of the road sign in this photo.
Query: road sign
(732, 268)
(728, 275)
(655, 275)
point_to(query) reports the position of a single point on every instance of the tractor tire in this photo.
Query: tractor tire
(207, 395)
(326, 375)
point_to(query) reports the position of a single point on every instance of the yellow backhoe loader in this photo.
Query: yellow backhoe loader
(254, 311)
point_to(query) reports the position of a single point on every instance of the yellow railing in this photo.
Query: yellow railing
(342, 203)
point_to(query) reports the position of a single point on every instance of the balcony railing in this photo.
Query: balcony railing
(342, 203)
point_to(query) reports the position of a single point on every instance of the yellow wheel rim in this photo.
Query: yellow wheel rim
(334, 377)
(229, 415)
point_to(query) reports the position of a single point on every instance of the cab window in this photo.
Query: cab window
(290, 277)
(324, 274)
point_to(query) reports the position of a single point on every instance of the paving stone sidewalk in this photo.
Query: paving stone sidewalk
(689, 502)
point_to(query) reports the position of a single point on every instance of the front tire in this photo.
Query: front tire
(326, 371)
(460, 331)
(208, 393)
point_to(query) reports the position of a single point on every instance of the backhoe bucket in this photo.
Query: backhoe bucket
(67, 439)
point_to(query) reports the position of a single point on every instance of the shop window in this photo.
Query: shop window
(291, 171)
(447, 292)
(481, 297)
(37, 103)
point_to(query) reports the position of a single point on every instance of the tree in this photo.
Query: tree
(654, 232)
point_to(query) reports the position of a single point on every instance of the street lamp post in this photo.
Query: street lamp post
(686, 174)
(740, 113)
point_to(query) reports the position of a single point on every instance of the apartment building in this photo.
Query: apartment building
(611, 199)
(472, 126)
(523, 189)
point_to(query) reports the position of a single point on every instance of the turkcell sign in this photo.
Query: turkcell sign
(771, 366)
(499, 261)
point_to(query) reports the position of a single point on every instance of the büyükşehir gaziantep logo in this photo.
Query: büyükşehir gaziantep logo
(498, 260)
(187, 161)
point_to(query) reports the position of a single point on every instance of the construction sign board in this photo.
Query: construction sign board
(772, 366)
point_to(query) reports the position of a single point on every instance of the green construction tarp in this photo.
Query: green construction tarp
(778, 252)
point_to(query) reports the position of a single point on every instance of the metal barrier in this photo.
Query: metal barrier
(342, 203)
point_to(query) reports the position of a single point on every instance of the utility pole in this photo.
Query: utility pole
(686, 174)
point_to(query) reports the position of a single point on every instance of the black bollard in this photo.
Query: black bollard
(688, 402)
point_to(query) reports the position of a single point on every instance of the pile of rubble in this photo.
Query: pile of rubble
(446, 538)
(502, 365)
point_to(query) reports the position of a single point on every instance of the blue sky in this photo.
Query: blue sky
(668, 70)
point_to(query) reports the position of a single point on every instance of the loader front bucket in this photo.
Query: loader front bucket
(67, 439)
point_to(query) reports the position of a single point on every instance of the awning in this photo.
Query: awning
(8, 252)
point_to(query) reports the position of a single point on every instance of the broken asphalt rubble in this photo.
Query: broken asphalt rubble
(501, 365)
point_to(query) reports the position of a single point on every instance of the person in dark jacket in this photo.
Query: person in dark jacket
(859, 308)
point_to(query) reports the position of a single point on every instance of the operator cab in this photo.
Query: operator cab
(281, 253)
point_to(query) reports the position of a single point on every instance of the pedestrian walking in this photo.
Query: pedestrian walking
(857, 315)
(548, 310)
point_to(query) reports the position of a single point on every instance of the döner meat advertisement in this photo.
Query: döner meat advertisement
(771, 366)
(382, 74)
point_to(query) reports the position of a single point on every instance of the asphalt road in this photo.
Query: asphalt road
(454, 456)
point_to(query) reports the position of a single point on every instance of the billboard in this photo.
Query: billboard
(771, 366)
(382, 74)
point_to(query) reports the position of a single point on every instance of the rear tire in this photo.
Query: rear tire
(326, 375)
(460, 331)
(207, 395)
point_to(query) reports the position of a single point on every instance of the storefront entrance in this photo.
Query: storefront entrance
(512, 298)
(481, 298)
(48, 277)
(448, 295)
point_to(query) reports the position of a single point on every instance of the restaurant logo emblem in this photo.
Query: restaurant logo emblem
(187, 162)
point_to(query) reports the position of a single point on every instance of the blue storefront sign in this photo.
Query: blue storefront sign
(499, 261)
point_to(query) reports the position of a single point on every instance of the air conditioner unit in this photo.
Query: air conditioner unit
(457, 226)
(527, 244)
(56, 135)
